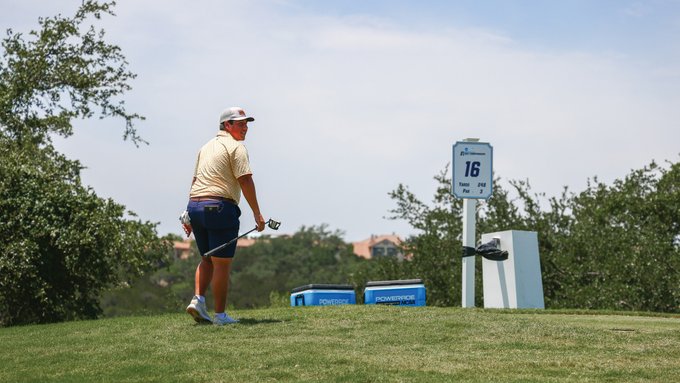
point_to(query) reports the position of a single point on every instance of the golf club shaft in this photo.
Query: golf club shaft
(220, 247)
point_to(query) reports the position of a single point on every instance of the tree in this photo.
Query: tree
(608, 247)
(311, 255)
(624, 243)
(437, 249)
(61, 243)
(64, 72)
(167, 289)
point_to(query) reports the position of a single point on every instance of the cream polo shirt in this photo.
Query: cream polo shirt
(220, 163)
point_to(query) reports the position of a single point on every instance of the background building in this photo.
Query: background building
(387, 245)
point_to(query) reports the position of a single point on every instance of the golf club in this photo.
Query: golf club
(274, 225)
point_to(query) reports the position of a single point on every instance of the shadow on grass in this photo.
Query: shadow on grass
(243, 321)
(254, 322)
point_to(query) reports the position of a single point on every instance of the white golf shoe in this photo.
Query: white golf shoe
(198, 311)
(222, 320)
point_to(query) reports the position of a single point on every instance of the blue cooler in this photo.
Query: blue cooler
(322, 295)
(406, 292)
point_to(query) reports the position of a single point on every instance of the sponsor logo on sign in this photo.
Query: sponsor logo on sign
(467, 153)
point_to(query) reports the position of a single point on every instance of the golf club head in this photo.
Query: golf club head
(274, 225)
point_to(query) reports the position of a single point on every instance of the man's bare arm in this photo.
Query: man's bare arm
(248, 188)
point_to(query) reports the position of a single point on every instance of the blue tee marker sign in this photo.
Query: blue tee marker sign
(472, 170)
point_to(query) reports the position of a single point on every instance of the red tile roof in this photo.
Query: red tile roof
(363, 248)
(245, 242)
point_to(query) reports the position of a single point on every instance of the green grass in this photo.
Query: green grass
(350, 344)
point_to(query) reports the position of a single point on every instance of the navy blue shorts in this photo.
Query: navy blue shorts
(214, 223)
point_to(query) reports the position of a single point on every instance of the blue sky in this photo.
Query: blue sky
(352, 98)
(624, 26)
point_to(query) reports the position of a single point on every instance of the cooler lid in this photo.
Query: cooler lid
(320, 286)
(394, 283)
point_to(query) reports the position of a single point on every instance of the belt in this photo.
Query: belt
(212, 198)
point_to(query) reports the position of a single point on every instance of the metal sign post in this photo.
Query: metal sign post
(469, 216)
(472, 180)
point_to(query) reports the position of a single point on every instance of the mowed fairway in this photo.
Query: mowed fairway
(350, 344)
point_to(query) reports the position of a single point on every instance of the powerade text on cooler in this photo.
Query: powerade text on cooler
(322, 295)
(406, 292)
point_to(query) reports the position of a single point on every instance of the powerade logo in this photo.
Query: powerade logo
(328, 301)
(468, 152)
(396, 300)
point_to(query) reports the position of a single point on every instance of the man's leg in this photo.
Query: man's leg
(220, 282)
(204, 274)
(197, 308)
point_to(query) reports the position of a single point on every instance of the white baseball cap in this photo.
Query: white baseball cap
(234, 113)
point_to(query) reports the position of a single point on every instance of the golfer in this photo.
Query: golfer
(222, 171)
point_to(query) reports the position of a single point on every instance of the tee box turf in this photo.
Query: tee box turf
(405, 292)
(322, 295)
